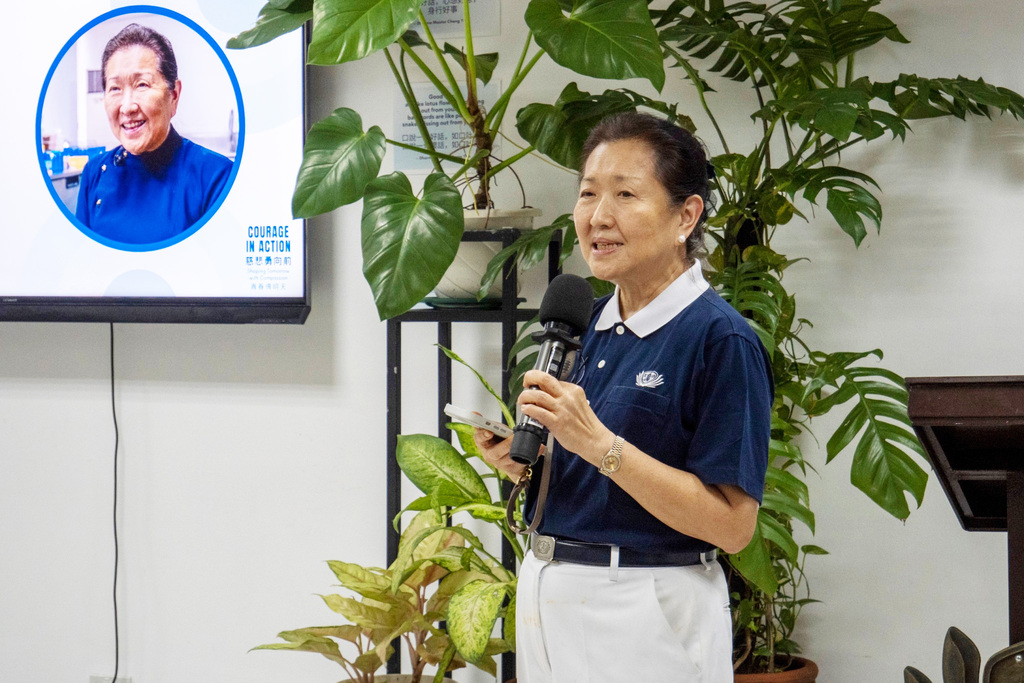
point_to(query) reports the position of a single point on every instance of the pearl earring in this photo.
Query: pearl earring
(682, 239)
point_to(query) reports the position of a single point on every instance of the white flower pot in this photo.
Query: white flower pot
(463, 277)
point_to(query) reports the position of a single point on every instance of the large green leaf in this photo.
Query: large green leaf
(509, 419)
(471, 615)
(756, 293)
(415, 552)
(745, 36)
(783, 503)
(303, 641)
(509, 630)
(527, 251)
(485, 63)
(275, 19)
(914, 97)
(408, 241)
(560, 129)
(821, 36)
(338, 162)
(778, 534)
(882, 464)
(349, 30)
(429, 462)
(357, 578)
(848, 200)
(755, 561)
(601, 38)
(405, 566)
(364, 615)
(547, 127)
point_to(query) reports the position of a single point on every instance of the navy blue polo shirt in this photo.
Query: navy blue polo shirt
(686, 381)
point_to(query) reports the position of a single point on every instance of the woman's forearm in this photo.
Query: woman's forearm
(724, 516)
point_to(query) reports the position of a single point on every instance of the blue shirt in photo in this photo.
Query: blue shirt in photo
(151, 197)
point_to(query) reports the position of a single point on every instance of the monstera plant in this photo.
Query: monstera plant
(799, 58)
(410, 236)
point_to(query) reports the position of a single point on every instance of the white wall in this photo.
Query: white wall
(249, 455)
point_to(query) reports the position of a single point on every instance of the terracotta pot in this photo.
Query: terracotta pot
(807, 673)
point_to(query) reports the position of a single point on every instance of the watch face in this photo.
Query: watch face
(610, 463)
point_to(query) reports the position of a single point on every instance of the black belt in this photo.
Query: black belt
(552, 549)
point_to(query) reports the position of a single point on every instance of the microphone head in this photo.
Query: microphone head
(569, 300)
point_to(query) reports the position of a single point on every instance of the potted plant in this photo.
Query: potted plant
(812, 104)
(456, 490)
(406, 601)
(410, 238)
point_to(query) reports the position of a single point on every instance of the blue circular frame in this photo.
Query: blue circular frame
(145, 9)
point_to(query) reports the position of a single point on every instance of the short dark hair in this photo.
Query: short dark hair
(680, 161)
(134, 34)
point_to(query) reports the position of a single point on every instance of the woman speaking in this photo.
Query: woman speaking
(661, 447)
(155, 184)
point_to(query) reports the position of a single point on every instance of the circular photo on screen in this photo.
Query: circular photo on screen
(140, 128)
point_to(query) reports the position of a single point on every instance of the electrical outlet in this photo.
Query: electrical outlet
(108, 679)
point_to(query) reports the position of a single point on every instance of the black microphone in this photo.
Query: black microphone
(565, 313)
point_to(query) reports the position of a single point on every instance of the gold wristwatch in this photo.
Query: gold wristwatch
(612, 460)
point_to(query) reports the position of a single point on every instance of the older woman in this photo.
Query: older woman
(155, 184)
(661, 446)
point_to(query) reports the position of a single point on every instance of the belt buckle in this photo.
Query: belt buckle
(543, 547)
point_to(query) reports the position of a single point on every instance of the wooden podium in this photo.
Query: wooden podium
(973, 431)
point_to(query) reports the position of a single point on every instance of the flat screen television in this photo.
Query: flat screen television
(134, 191)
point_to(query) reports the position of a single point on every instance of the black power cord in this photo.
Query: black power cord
(113, 412)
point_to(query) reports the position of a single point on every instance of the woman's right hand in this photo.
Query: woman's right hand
(495, 453)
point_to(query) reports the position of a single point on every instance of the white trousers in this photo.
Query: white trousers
(583, 624)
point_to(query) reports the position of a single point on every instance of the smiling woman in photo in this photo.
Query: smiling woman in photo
(155, 184)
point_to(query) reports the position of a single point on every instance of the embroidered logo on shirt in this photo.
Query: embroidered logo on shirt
(649, 379)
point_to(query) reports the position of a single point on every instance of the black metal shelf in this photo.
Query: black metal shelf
(508, 313)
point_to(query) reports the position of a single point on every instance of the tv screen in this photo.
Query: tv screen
(148, 170)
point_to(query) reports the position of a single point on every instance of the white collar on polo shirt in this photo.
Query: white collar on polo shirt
(683, 291)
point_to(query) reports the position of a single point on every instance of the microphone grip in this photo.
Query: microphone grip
(526, 443)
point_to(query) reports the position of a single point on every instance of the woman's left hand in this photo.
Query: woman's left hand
(562, 407)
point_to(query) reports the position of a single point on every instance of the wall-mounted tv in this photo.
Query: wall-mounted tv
(147, 170)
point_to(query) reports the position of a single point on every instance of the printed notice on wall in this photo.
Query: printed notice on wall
(445, 17)
(447, 130)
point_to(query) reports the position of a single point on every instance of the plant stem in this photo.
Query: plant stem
(538, 157)
(470, 53)
(695, 79)
(767, 156)
(498, 110)
(456, 102)
(519, 66)
(444, 65)
(421, 150)
(410, 100)
(471, 162)
(823, 154)
(508, 162)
